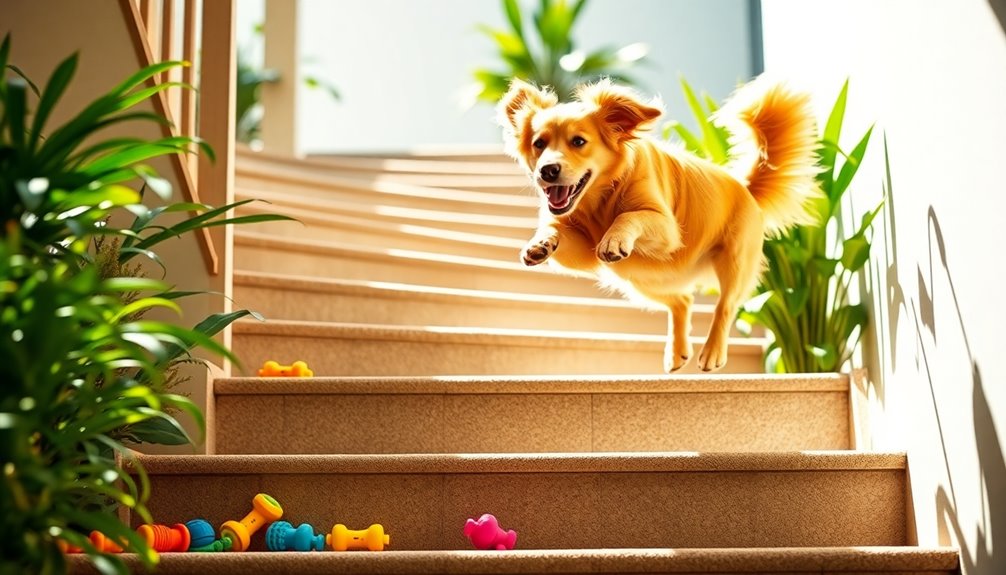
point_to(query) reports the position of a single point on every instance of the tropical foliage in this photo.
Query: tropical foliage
(544, 52)
(803, 297)
(83, 371)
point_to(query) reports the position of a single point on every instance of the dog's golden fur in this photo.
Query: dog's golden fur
(654, 220)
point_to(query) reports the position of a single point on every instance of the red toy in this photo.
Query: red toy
(164, 538)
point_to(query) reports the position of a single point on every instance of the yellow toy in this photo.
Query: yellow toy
(274, 369)
(265, 510)
(373, 538)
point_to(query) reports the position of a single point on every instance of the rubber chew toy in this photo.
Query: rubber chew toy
(274, 369)
(162, 538)
(373, 538)
(203, 539)
(486, 534)
(98, 539)
(265, 510)
(281, 536)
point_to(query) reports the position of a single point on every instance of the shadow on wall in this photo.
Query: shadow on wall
(999, 7)
(989, 554)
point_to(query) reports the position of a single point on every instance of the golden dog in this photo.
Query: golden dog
(650, 219)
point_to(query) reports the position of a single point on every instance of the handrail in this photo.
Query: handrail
(144, 38)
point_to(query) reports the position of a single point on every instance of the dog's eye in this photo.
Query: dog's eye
(539, 143)
(578, 142)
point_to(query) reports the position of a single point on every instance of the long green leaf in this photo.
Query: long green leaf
(58, 83)
(832, 132)
(143, 75)
(513, 14)
(16, 110)
(849, 169)
(710, 139)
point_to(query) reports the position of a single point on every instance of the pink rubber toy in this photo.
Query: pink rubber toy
(486, 534)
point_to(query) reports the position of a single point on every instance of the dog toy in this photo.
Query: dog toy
(265, 510)
(273, 369)
(373, 538)
(98, 539)
(203, 539)
(162, 538)
(486, 534)
(104, 544)
(281, 536)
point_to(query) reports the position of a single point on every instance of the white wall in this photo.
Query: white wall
(401, 64)
(932, 74)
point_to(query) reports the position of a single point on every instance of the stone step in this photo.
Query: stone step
(732, 561)
(327, 227)
(279, 296)
(520, 228)
(348, 260)
(532, 415)
(557, 501)
(489, 164)
(516, 183)
(344, 349)
(298, 182)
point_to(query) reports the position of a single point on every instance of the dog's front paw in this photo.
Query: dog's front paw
(614, 248)
(538, 250)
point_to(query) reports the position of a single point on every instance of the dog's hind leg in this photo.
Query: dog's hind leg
(737, 268)
(678, 349)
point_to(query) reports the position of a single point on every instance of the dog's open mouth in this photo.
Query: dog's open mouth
(560, 198)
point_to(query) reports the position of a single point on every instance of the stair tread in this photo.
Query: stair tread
(394, 164)
(488, 385)
(477, 335)
(524, 463)
(377, 210)
(245, 171)
(572, 561)
(355, 250)
(416, 291)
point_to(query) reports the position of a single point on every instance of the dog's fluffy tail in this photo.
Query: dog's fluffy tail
(774, 142)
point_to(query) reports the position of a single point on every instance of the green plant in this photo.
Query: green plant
(550, 59)
(83, 371)
(803, 296)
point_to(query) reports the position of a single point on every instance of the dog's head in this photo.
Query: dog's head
(571, 148)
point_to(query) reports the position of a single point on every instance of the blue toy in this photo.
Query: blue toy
(203, 537)
(281, 536)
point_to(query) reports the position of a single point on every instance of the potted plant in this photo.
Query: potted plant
(83, 371)
(802, 298)
(553, 61)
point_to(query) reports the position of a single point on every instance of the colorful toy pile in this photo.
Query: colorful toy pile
(197, 535)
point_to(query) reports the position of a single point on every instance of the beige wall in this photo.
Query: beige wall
(932, 74)
(44, 32)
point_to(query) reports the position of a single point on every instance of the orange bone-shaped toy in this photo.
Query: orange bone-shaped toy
(274, 369)
(373, 538)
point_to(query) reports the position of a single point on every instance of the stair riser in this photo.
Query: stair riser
(444, 274)
(525, 206)
(380, 235)
(436, 356)
(531, 423)
(567, 510)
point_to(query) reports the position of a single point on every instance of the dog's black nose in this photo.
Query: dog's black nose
(550, 173)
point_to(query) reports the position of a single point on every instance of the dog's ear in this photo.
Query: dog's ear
(620, 109)
(520, 99)
(514, 113)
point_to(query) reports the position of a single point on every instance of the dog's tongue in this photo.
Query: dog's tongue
(558, 196)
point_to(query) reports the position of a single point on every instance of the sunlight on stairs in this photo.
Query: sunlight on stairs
(451, 381)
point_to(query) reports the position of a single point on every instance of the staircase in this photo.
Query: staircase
(452, 381)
